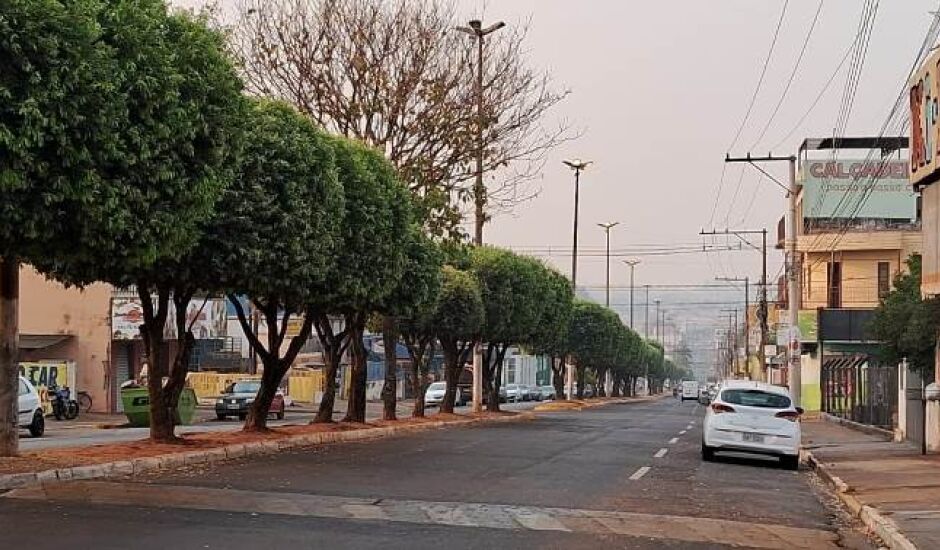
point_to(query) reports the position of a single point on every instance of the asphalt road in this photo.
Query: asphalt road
(622, 476)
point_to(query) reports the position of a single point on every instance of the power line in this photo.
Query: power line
(763, 73)
(796, 67)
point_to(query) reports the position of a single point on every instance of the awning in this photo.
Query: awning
(845, 361)
(41, 341)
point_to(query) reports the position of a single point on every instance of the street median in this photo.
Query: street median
(137, 457)
(581, 404)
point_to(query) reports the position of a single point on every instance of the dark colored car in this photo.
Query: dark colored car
(239, 396)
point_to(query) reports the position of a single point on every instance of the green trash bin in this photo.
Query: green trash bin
(137, 406)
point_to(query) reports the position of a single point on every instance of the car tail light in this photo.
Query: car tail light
(719, 408)
(792, 416)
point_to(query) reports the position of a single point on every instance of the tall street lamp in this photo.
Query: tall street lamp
(606, 227)
(633, 264)
(476, 30)
(576, 165)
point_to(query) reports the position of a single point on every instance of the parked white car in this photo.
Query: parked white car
(516, 393)
(435, 395)
(753, 417)
(29, 408)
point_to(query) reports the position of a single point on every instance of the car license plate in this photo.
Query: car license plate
(752, 438)
(233, 405)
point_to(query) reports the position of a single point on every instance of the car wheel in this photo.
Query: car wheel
(708, 453)
(38, 426)
(790, 462)
(220, 416)
(280, 414)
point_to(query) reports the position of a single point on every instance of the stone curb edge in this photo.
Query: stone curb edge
(230, 452)
(863, 428)
(874, 520)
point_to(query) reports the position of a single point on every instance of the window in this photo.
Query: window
(511, 370)
(884, 279)
(834, 276)
(755, 398)
(24, 389)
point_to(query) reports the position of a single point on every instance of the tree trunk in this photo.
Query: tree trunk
(259, 410)
(580, 374)
(633, 380)
(601, 384)
(9, 352)
(558, 376)
(615, 387)
(490, 384)
(422, 359)
(356, 407)
(334, 345)
(497, 377)
(176, 380)
(161, 416)
(451, 359)
(390, 388)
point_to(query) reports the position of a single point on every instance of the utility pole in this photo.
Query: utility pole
(793, 267)
(747, 304)
(476, 30)
(606, 227)
(632, 264)
(762, 297)
(657, 320)
(576, 165)
(646, 324)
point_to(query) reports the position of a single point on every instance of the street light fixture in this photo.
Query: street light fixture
(606, 227)
(632, 264)
(476, 30)
(577, 165)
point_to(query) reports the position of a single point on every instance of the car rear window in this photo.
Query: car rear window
(246, 387)
(437, 386)
(755, 398)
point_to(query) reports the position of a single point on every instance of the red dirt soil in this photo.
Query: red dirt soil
(49, 459)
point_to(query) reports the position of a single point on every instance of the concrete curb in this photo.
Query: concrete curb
(232, 451)
(870, 516)
(863, 428)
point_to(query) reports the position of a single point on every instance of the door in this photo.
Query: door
(914, 402)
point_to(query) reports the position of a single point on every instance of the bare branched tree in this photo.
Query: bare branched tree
(396, 75)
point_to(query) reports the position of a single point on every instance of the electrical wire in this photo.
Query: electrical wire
(763, 73)
(796, 67)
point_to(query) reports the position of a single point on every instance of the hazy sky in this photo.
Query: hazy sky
(659, 88)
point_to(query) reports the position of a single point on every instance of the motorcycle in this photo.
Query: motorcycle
(63, 406)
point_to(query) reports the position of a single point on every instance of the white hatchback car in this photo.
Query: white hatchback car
(29, 408)
(753, 417)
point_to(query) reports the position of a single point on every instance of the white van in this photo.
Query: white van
(689, 390)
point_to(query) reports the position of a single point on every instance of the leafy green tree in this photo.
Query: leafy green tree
(406, 312)
(906, 324)
(280, 235)
(116, 123)
(514, 289)
(549, 336)
(457, 320)
(369, 262)
(592, 339)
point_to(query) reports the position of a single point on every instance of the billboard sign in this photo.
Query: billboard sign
(925, 130)
(206, 317)
(859, 188)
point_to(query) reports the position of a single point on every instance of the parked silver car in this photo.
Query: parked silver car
(547, 392)
(515, 393)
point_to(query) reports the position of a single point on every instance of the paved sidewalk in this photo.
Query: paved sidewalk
(892, 487)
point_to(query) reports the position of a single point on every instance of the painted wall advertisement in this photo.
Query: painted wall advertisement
(207, 318)
(860, 188)
(45, 374)
(924, 90)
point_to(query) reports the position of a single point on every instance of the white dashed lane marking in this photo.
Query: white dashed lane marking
(682, 432)
(661, 453)
(673, 440)
(639, 473)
